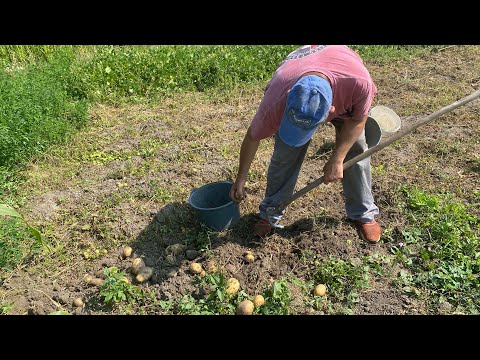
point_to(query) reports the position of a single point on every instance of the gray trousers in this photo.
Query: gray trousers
(285, 167)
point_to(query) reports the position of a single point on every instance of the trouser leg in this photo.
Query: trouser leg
(282, 175)
(357, 182)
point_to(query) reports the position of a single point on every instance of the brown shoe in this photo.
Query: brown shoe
(262, 228)
(369, 231)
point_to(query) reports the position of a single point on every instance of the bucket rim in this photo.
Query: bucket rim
(209, 184)
(388, 113)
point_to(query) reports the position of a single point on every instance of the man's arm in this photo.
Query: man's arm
(247, 154)
(351, 130)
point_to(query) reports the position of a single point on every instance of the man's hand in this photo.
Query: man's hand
(237, 192)
(332, 171)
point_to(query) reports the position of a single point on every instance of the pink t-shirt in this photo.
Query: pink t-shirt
(353, 88)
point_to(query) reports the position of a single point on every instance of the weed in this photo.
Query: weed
(277, 299)
(216, 301)
(378, 170)
(344, 279)
(5, 309)
(16, 243)
(116, 288)
(475, 165)
(442, 248)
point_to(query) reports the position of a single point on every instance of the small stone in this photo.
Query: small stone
(108, 262)
(171, 274)
(175, 249)
(100, 274)
(192, 254)
(230, 267)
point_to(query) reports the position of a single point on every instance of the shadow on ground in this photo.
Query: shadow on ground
(175, 235)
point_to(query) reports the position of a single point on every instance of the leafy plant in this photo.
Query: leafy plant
(343, 279)
(277, 299)
(217, 301)
(6, 210)
(18, 239)
(442, 248)
(116, 288)
(5, 309)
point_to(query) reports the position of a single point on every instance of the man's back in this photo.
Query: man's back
(352, 87)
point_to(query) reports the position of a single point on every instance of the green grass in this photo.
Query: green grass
(385, 53)
(35, 111)
(23, 55)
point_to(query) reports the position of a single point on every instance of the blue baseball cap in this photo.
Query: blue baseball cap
(308, 105)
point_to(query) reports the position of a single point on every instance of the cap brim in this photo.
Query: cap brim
(293, 135)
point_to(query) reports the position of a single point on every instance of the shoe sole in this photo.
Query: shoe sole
(369, 241)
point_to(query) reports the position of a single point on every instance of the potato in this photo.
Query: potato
(245, 308)
(96, 282)
(127, 252)
(196, 268)
(258, 300)
(249, 258)
(78, 302)
(233, 285)
(211, 267)
(125, 279)
(144, 274)
(203, 273)
(87, 278)
(137, 264)
(320, 290)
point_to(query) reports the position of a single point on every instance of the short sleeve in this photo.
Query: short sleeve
(266, 121)
(363, 98)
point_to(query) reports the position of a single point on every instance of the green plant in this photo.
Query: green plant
(5, 309)
(277, 299)
(442, 248)
(37, 110)
(6, 210)
(18, 239)
(343, 279)
(116, 288)
(217, 301)
(378, 170)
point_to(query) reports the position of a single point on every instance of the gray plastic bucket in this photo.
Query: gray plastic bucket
(213, 205)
